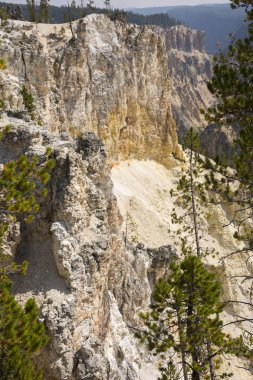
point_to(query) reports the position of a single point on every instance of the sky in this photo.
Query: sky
(136, 4)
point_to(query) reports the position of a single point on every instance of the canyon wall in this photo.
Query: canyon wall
(110, 78)
(190, 70)
(102, 96)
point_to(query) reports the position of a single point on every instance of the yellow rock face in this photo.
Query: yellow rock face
(111, 79)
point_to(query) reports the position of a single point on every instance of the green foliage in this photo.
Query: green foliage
(2, 64)
(3, 16)
(44, 11)
(21, 334)
(232, 86)
(28, 101)
(192, 197)
(185, 317)
(169, 371)
(90, 4)
(22, 184)
(107, 4)
(31, 5)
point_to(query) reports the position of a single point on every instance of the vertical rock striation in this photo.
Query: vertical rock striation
(190, 70)
(111, 79)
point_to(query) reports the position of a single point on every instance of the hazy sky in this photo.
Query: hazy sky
(136, 4)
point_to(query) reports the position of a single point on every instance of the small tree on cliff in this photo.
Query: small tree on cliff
(190, 195)
(185, 317)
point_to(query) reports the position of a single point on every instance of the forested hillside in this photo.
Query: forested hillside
(62, 14)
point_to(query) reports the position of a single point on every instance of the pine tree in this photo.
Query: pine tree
(107, 4)
(186, 310)
(28, 101)
(232, 86)
(191, 196)
(185, 317)
(21, 334)
(31, 6)
(22, 184)
(44, 11)
(91, 5)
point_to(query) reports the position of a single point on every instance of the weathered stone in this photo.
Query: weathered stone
(112, 79)
(190, 70)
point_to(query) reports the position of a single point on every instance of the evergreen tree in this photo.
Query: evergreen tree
(186, 311)
(107, 4)
(22, 184)
(185, 317)
(232, 86)
(90, 5)
(44, 11)
(191, 196)
(21, 188)
(31, 5)
(28, 101)
(21, 334)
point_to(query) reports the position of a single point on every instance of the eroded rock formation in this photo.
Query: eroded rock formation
(190, 70)
(111, 78)
(90, 288)
(103, 96)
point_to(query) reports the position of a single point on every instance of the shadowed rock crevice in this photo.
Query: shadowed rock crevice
(42, 274)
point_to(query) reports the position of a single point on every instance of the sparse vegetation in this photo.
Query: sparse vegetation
(28, 101)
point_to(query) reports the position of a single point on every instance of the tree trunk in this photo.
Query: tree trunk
(194, 210)
(182, 350)
(211, 365)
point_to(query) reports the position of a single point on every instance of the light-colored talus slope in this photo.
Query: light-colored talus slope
(111, 79)
(142, 189)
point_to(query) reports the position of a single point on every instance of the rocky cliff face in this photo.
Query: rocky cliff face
(110, 78)
(90, 288)
(102, 96)
(190, 70)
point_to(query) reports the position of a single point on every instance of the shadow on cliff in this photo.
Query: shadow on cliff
(42, 274)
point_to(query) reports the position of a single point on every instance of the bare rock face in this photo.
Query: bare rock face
(89, 286)
(190, 70)
(186, 39)
(110, 78)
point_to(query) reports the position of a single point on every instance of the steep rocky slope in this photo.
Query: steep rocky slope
(89, 287)
(190, 70)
